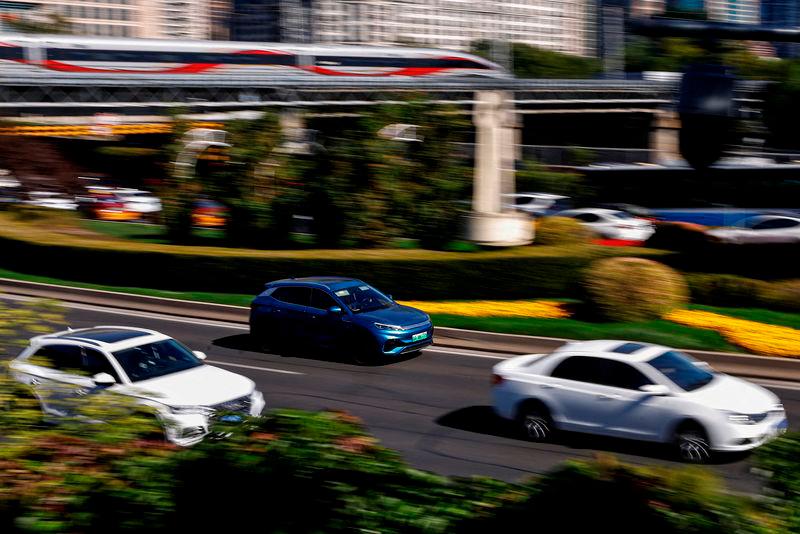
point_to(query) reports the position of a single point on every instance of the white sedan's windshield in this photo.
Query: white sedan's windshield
(681, 370)
(156, 359)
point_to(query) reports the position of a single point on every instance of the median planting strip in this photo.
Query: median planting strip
(785, 369)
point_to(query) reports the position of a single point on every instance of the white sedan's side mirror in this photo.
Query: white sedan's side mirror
(703, 365)
(657, 390)
(103, 380)
(200, 355)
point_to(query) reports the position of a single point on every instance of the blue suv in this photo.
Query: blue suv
(341, 313)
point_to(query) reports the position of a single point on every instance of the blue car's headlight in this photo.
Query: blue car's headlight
(389, 327)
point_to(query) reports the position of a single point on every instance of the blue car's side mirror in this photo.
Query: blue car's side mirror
(335, 310)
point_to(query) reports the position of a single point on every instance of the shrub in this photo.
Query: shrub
(742, 292)
(680, 236)
(561, 231)
(768, 261)
(614, 497)
(726, 290)
(779, 462)
(783, 295)
(633, 289)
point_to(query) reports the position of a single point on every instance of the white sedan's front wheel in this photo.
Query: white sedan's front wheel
(693, 446)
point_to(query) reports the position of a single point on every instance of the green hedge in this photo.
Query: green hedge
(695, 251)
(520, 273)
(300, 472)
(737, 291)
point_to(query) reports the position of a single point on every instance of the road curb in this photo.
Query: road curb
(748, 365)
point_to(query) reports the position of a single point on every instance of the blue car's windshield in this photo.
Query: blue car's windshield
(681, 370)
(363, 298)
(156, 359)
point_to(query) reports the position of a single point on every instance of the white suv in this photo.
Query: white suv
(153, 368)
(639, 391)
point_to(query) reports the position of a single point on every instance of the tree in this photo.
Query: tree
(365, 189)
(532, 62)
(253, 183)
(180, 189)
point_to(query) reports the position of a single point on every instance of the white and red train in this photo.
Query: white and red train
(86, 55)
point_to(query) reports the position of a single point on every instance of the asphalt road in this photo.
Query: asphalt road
(434, 409)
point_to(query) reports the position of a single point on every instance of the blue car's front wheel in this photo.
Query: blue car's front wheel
(364, 349)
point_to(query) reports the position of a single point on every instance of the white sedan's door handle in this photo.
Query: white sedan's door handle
(549, 386)
(35, 382)
(603, 396)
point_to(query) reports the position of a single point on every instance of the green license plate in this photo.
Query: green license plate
(417, 337)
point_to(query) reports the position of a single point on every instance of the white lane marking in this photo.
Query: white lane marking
(130, 313)
(255, 368)
(488, 356)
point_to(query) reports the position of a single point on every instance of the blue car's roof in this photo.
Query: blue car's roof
(331, 282)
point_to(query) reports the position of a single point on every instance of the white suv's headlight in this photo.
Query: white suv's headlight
(191, 410)
(390, 327)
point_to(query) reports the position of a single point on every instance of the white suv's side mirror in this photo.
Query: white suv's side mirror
(657, 390)
(200, 355)
(103, 380)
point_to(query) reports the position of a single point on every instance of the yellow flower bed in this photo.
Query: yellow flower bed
(760, 338)
(539, 309)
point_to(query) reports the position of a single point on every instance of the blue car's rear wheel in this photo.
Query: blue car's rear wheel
(263, 336)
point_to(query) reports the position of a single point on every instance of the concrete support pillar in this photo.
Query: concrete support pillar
(664, 138)
(495, 156)
(293, 129)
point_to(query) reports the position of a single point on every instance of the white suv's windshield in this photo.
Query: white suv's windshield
(156, 359)
(363, 298)
(681, 370)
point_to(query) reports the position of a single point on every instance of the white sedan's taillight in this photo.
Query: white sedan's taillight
(497, 380)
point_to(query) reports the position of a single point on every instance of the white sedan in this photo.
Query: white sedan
(760, 229)
(139, 201)
(52, 200)
(154, 369)
(536, 204)
(638, 391)
(612, 224)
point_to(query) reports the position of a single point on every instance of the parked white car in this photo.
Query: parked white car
(139, 201)
(52, 200)
(536, 204)
(612, 224)
(760, 229)
(156, 370)
(639, 391)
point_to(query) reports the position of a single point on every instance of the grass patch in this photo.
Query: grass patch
(232, 299)
(148, 233)
(660, 332)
